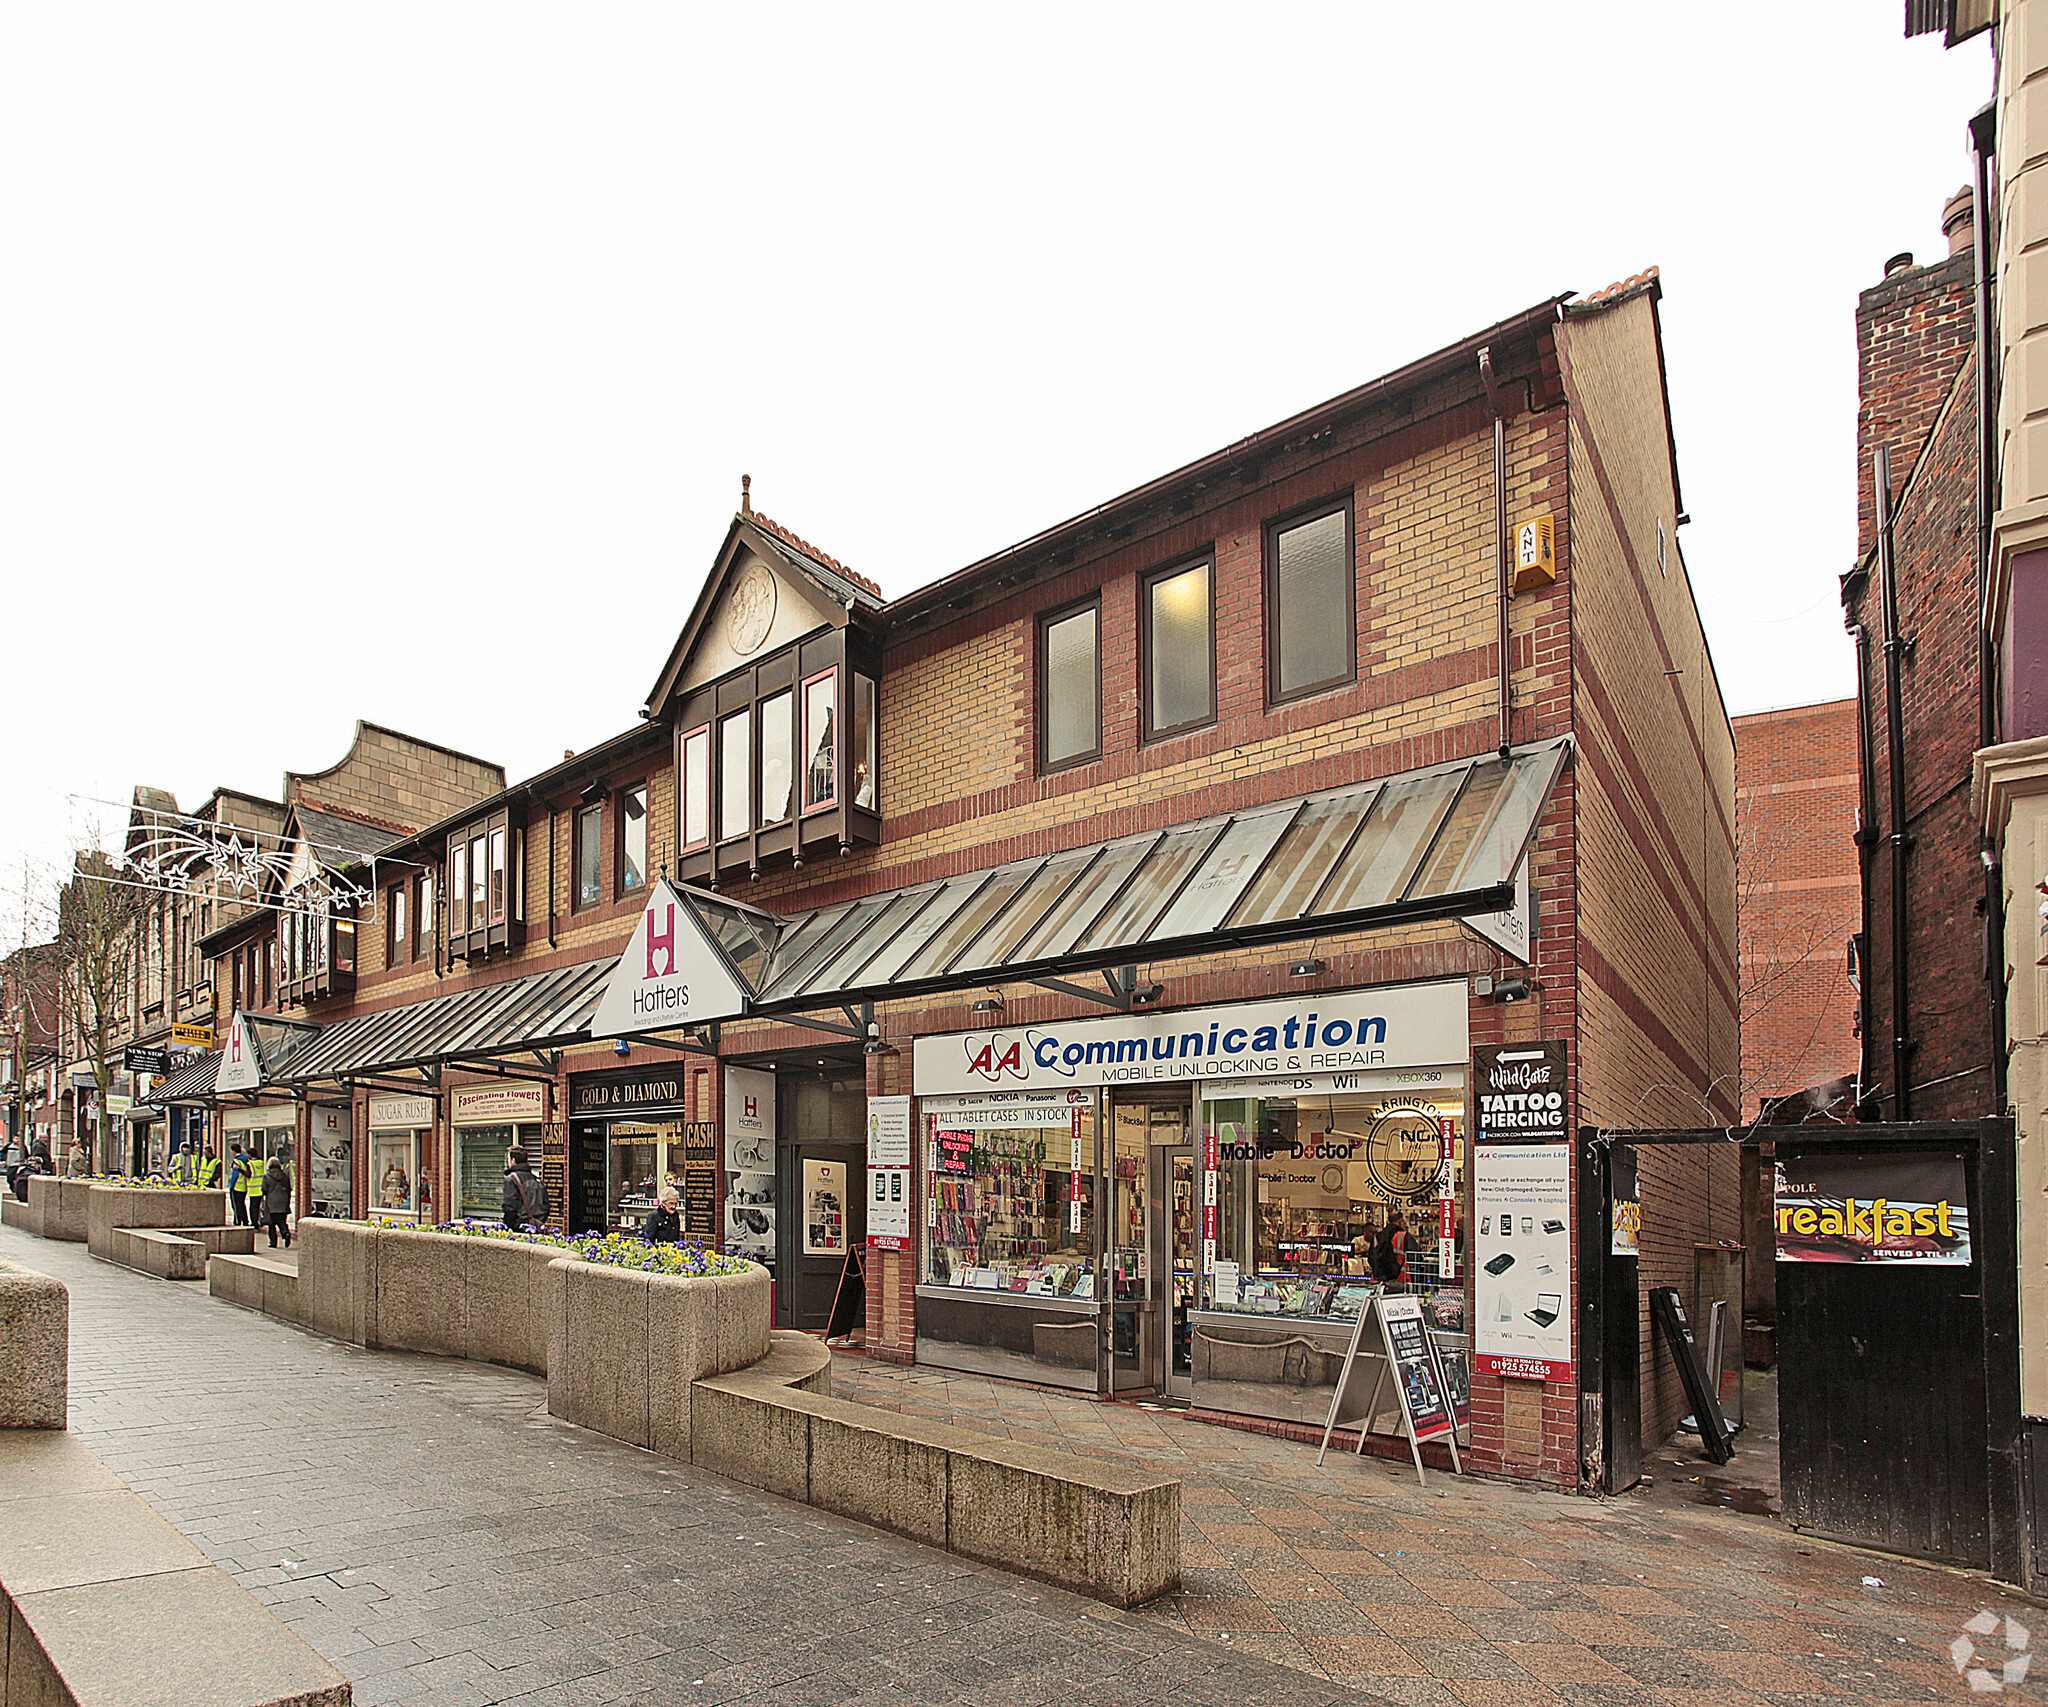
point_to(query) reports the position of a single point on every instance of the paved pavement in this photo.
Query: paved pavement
(430, 1529)
(1472, 1592)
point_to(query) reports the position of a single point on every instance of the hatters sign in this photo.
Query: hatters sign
(672, 973)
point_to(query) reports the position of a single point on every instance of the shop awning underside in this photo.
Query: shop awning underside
(191, 1083)
(540, 1012)
(1425, 844)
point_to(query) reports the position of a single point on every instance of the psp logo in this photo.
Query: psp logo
(1965, 1656)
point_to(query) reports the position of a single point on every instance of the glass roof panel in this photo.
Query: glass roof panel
(1224, 874)
(966, 924)
(993, 947)
(842, 970)
(802, 937)
(1156, 883)
(954, 894)
(1312, 845)
(747, 937)
(849, 925)
(1477, 807)
(1378, 866)
(1075, 910)
(1496, 848)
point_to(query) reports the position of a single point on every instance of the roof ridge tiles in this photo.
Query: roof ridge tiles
(768, 524)
(1618, 291)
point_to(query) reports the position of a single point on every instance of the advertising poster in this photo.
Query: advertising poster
(1415, 1372)
(1911, 1211)
(1521, 1255)
(327, 1179)
(700, 1181)
(1624, 1205)
(1518, 1093)
(824, 1208)
(750, 1163)
(889, 1173)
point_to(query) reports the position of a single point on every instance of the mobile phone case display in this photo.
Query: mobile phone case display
(1010, 1207)
(1521, 1201)
(750, 1163)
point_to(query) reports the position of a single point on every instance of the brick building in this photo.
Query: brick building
(1205, 845)
(1795, 829)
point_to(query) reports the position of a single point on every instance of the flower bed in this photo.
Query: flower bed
(143, 1182)
(612, 1250)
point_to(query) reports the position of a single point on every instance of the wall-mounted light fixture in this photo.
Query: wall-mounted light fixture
(988, 1005)
(1147, 995)
(1306, 969)
(1514, 989)
(592, 795)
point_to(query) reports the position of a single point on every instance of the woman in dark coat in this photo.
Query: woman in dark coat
(664, 1226)
(277, 1198)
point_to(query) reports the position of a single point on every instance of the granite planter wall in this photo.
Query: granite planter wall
(111, 1206)
(59, 1206)
(35, 1349)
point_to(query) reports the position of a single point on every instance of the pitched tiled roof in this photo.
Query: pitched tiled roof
(818, 558)
(342, 841)
(1620, 291)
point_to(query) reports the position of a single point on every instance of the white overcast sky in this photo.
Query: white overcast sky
(401, 361)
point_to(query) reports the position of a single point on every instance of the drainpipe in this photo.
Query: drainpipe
(1866, 856)
(1500, 539)
(1895, 650)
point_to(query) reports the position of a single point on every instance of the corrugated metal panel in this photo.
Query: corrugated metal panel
(1924, 17)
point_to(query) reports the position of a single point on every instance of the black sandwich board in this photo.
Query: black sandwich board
(1668, 1312)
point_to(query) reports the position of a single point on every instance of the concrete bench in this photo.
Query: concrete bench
(256, 1283)
(107, 1605)
(1105, 1530)
(175, 1255)
(165, 1208)
(35, 1349)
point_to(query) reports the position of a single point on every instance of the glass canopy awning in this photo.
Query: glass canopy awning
(1425, 844)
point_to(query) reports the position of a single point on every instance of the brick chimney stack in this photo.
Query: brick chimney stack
(1959, 221)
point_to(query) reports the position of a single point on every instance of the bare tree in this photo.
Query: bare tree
(97, 916)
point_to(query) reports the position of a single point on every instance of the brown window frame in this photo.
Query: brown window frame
(397, 924)
(1151, 578)
(619, 885)
(576, 902)
(1274, 528)
(684, 842)
(424, 888)
(1047, 621)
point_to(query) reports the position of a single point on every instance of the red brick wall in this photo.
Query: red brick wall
(1795, 817)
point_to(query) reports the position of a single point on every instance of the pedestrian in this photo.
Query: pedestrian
(209, 1172)
(526, 1199)
(277, 1198)
(252, 1186)
(664, 1226)
(39, 1154)
(184, 1166)
(81, 1162)
(1390, 1254)
(238, 1185)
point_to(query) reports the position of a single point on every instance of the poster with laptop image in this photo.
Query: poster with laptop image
(1909, 1211)
(1521, 1260)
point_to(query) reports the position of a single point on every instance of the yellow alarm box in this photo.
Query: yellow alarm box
(1535, 553)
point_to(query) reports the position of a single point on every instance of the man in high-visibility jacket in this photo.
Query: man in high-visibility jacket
(185, 1166)
(209, 1172)
(238, 1186)
(252, 1189)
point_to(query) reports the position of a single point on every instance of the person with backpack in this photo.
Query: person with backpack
(526, 1199)
(1390, 1251)
(277, 1197)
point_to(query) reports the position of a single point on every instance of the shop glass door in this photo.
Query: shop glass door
(1176, 1232)
(1140, 1290)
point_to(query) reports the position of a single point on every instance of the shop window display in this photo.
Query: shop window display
(643, 1157)
(480, 1182)
(1308, 1187)
(394, 1167)
(1011, 1199)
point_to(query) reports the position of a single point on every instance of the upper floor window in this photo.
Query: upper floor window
(697, 787)
(1179, 649)
(397, 943)
(633, 837)
(482, 884)
(423, 915)
(1310, 620)
(735, 751)
(590, 855)
(458, 887)
(1070, 686)
(778, 747)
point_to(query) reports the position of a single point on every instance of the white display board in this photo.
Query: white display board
(889, 1173)
(1521, 1251)
(750, 1162)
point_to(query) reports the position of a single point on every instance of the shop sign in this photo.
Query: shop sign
(1908, 1211)
(672, 973)
(955, 1151)
(601, 1095)
(152, 1063)
(241, 1066)
(1513, 931)
(700, 1181)
(191, 1036)
(1518, 1093)
(1335, 1032)
(402, 1113)
(889, 1173)
(1521, 1255)
(498, 1105)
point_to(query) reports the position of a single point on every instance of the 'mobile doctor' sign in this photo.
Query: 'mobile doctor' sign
(671, 974)
(1409, 1025)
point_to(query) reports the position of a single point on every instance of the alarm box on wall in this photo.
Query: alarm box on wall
(1535, 553)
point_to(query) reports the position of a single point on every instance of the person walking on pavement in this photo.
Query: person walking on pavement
(252, 1185)
(526, 1199)
(277, 1198)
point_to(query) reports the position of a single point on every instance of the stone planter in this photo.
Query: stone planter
(111, 1206)
(35, 1349)
(60, 1203)
(624, 1346)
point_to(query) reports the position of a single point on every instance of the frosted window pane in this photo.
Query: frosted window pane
(696, 787)
(1070, 685)
(1181, 691)
(735, 762)
(1313, 603)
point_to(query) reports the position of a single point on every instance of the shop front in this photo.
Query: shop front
(1189, 1204)
(485, 1122)
(263, 1131)
(401, 1152)
(630, 1136)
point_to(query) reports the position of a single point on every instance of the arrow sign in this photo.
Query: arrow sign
(673, 973)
